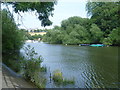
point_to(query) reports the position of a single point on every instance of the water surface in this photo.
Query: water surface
(91, 67)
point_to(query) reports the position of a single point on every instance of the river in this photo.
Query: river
(91, 67)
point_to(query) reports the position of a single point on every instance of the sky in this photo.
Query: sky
(63, 10)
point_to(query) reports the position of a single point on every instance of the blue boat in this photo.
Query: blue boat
(84, 44)
(96, 45)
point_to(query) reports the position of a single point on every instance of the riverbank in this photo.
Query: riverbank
(36, 41)
(12, 80)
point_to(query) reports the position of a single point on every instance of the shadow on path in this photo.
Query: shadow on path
(12, 80)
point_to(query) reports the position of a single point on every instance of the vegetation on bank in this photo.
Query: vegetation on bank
(31, 67)
(34, 37)
(12, 41)
(103, 27)
(12, 37)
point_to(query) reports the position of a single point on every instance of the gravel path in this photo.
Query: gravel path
(11, 80)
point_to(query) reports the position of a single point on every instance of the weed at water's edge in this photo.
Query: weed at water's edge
(60, 80)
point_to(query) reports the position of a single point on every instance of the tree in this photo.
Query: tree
(74, 30)
(107, 41)
(83, 34)
(57, 27)
(104, 14)
(96, 34)
(53, 36)
(43, 9)
(113, 38)
(72, 21)
(12, 38)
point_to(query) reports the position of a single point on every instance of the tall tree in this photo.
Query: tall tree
(96, 34)
(12, 38)
(104, 14)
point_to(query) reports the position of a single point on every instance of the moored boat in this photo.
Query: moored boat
(84, 44)
(97, 45)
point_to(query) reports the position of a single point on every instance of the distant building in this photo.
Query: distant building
(37, 33)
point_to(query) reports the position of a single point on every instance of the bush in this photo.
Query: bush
(13, 61)
(107, 41)
(14, 65)
(32, 67)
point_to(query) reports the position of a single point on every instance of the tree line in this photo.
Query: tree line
(102, 27)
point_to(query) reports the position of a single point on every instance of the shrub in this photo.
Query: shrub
(32, 67)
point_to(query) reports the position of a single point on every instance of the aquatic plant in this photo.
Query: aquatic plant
(60, 80)
(57, 76)
(68, 81)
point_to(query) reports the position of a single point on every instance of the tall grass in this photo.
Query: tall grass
(60, 80)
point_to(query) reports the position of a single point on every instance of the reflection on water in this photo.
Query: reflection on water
(90, 66)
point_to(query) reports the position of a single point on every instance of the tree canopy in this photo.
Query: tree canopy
(43, 9)
(102, 27)
(104, 14)
(12, 38)
(73, 30)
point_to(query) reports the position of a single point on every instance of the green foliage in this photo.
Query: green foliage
(29, 37)
(96, 33)
(60, 80)
(43, 9)
(68, 81)
(74, 30)
(32, 66)
(72, 21)
(113, 38)
(29, 66)
(13, 61)
(13, 39)
(104, 14)
(102, 27)
(57, 27)
(53, 36)
(57, 77)
(107, 41)
(35, 37)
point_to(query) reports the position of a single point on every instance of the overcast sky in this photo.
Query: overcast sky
(63, 10)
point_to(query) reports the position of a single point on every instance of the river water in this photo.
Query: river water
(91, 67)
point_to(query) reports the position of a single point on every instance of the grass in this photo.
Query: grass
(60, 80)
